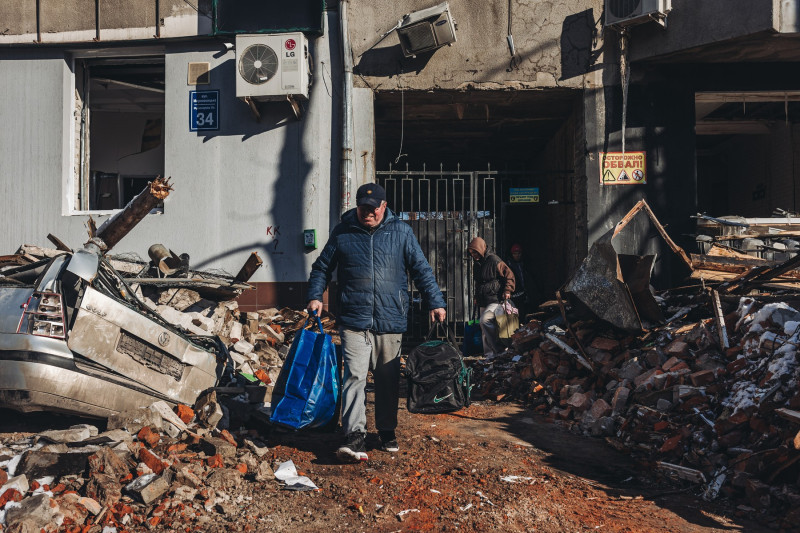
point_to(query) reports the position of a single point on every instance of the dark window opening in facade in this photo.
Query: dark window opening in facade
(119, 130)
(748, 144)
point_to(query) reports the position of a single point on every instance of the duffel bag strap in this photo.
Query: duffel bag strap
(430, 331)
(448, 331)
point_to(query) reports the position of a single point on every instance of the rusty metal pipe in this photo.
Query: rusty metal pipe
(116, 227)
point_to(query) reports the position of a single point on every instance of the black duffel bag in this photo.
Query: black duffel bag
(438, 381)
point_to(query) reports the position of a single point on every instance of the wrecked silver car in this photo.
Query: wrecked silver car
(74, 338)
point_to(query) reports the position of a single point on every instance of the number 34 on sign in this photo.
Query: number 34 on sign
(619, 169)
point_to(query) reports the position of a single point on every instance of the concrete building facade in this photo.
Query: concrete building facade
(453, 133)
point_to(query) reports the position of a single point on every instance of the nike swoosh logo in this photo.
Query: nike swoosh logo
(436, 399)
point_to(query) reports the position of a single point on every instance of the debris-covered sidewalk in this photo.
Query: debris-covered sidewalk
(490, 467)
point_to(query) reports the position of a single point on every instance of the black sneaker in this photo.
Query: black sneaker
(353, 450)
(388, 441)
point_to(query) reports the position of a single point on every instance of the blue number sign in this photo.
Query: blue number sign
(203, 110)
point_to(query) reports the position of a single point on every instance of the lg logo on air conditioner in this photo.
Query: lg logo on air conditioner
(290, 45)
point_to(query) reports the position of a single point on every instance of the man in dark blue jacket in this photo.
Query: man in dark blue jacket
(374, 252)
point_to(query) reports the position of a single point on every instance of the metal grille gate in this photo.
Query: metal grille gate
(446, 209)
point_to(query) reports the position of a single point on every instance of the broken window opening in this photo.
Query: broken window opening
(120, 130)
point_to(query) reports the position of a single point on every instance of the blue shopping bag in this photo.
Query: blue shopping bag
(308, 385)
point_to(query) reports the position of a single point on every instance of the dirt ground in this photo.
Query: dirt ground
(449, 476)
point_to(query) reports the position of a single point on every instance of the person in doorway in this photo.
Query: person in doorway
(521, 296)
(494, 283)
(374, 252)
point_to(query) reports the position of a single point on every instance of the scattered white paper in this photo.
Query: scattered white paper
(485, 498)
(435, 491)
(403, 513)
(466, 507)
(517, 479)
(287, 473)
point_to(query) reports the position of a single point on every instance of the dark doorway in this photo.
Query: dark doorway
(450, 161)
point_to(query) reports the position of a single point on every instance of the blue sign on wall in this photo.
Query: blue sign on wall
(524, 195)
(203, 110)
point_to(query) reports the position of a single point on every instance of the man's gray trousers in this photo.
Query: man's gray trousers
(363, 350)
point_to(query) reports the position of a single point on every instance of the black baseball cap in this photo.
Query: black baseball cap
(370, 194)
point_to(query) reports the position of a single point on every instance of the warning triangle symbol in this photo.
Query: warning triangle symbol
(623, 176)
(609, 176)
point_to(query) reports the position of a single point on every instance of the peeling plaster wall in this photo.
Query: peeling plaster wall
(556, 43)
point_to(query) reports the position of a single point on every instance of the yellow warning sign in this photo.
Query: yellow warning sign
(616, 169)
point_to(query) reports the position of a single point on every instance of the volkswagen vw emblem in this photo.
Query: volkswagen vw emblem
(163, 339)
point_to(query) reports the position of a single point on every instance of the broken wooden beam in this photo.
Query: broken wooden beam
(570, 350)
(682, 472)
(760, 275)
(788, 414)
(58, 243)
(116, 227)
(719, 318)
(572, 333)
(249, 268)
(734, 265)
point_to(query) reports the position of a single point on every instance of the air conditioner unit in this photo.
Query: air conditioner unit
(426, 30)
(272, 66)
(631, 12)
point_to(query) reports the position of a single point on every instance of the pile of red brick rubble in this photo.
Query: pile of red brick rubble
(725, 420)
(157, 465)
(152, 464)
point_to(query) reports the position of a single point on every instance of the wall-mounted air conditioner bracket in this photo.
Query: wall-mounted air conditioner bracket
(253, 107)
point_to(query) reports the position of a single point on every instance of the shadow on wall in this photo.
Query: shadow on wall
(279, 188)
(578, 35)
(236, 117)
(389, 61)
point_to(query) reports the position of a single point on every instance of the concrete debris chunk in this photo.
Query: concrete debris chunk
(168, 415)
(41, 463)
(179, 299)
(224, 478)
(134, 420)
(257, 447)
(185, 493)
(73, 434)
(18, 483)
(243, 347)
(38, 511)
(148, 488)
(215, 446)
(208, 410)
(264, 472)
(104, 488)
